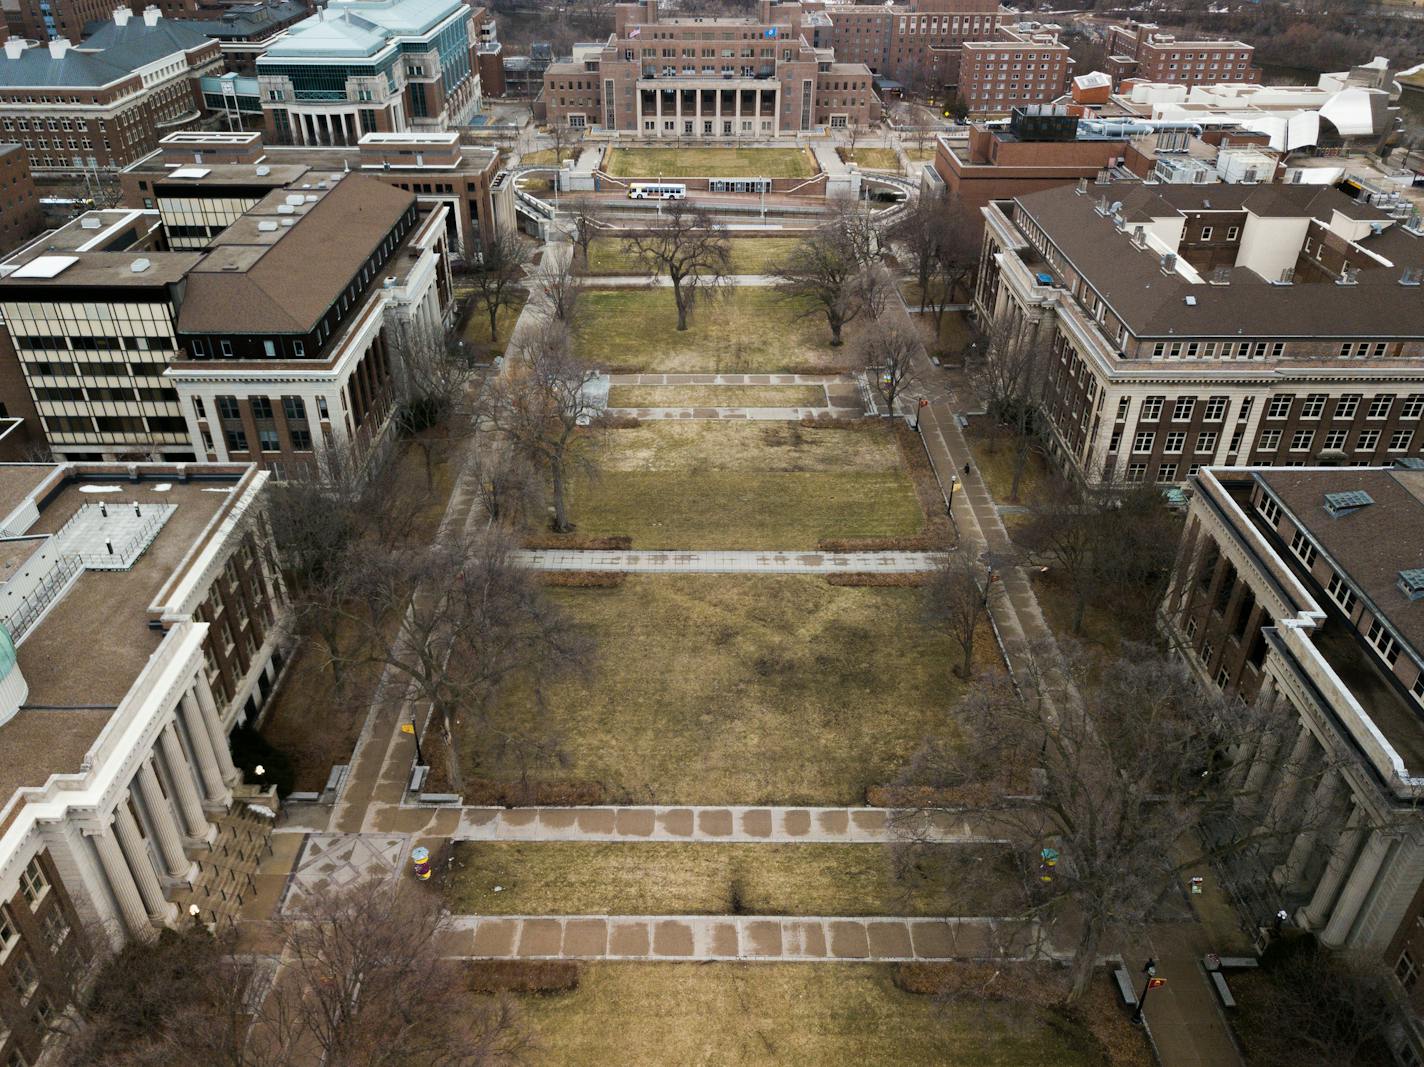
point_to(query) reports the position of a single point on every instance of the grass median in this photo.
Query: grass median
(747, 485)
(717, 396)
(655, 163)
(749, 255)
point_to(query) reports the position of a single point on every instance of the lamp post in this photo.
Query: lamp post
(415, 732)
(1150, 970)
(920, 404)
(949, 505)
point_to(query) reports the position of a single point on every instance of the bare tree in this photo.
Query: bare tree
(556, 291)
(956, 601)
(472, 618)
(436, 372)
(920, 231)
(1325, 1009)
(543, 406)
(1010, 380)
(688, 245)
(956, 254)
(827, 271)
(566, 141)
(506, 484)
(590, 217)
(1131, 756)
(894, 351)
(499, 275)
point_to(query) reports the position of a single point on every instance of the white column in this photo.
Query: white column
(140, 863)
(1324, 804)
(1260, 768)
(121, 884)
(1357, 887)
(216, 734)
(195, 821)
(215, 792)
(1292, 775)
(165, 827)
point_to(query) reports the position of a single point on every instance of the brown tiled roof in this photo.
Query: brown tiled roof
(295, 279)
(1371, 544)
(1153, 304)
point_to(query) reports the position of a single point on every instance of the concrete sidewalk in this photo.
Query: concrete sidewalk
(729, 414)
(711, 378)
(673, 561)
(826, 939)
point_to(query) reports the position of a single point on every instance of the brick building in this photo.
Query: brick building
(1140, 50)
(918, 43)
(1020, 67)
(20, 214)
(274, 343)
(368, 66)
(120, 806)
(716, 78)
(1187, 326)
(105, 102)
(1303, 591)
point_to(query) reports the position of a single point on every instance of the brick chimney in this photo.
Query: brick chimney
(151, 15)
(15, 47)
(58, 47)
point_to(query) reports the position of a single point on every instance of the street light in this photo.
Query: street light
(920, 404)
(949, 505)
(1150, 970)
(415, 732)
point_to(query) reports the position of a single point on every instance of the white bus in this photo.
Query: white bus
(657, 191)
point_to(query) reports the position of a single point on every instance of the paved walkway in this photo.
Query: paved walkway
(729, 414)
(735, 937)
(672, 561)
(647, 378)
(661, 281)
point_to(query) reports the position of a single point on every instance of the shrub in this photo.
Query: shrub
(522, 976)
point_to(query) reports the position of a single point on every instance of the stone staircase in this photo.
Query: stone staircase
(227, 871)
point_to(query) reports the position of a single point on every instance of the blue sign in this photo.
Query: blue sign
(771, 32)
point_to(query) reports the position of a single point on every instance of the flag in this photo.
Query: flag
(636, 30)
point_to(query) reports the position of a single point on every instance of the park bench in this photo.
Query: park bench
(440, 798)
(1124, 986)
(1222, 989)
(303, 798)
(418, 776)
(1229, 963)
(337, 776)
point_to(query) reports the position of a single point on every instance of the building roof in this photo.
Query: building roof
(1372, 543)
(1153, 303)
(110, 54)
(243, 21)
(361, 27)
(340, 226)
(104, 613)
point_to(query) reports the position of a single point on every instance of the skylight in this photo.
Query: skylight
(1344, 503)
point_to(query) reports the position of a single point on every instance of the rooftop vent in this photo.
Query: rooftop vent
(89, 222)
(1169, 263)
(1338, 504)
(1221, 276)
(1190, 301)
(294, 198)
(140, 265)
(311, 198)
(1411, 583)
(288, 222)
(263, 170)
(1411, 276)
(286, 209)
(1139, 237)
(267, 226)
(1287, 277)
(1082, 186)
(1102, 208)
(1348, 275)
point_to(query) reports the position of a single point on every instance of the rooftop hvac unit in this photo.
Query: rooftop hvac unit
(88, 222)
(263, 170)
(267, 226)
(286, 209)
(138, 266)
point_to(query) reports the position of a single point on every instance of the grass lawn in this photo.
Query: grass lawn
(750, 255)
(542, 158)
(774, 485)
(655, 878)
(717, 396)
(730, 689)
(476, 330)
(826, 1014)
(654, 163)
(920, 155)
(746, 330)
(871, 158)
(995, 459)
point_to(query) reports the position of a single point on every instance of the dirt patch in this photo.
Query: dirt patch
(573, 542)
(584, 579)
(558, 793)
(879, 581)
(521, 976)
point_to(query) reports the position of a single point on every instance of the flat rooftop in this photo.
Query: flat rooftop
(83, 655)
(305, 163)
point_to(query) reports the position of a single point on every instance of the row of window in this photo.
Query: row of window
(1278, 407)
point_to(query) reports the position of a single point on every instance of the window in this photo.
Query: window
(1206, 441)
(1384, 643)
(267, 441)
(1279, 407)
(321, 408)
(1399, 440)
(1304, 550)
(1341, 593)
(1347, 405)
(1368, 442)
(1115, 441)
(1232, 232)
(1270, 440)
(33, 883)
(1413, 406)
(1405, 971)
(9, 933)
(299, 350)
(1313, 406)
(1270, 510)
(1136, 472)
(1379, 407)
(294, 409)
(1206, 233)
(1335, 439)
(1167, 473)
(1182, 409)
(227, 407)
(1143, 441)
(55, 929)
(301, 439)
(1301, 440)
(1223, 678)
(236, 441)
(24, 977)
(1215, 408)
(226, 347)
(1175, 442)
(1152, 408)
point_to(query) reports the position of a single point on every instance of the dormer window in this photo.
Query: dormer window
(1411, 583)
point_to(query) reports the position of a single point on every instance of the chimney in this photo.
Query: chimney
(58, 47)
(1082, 186)
(15, 47)
(1139, 236)
(651, 15)
(122, 16)
(1410, 276)
(1169, 263)
(151, 15)
(1347, 275)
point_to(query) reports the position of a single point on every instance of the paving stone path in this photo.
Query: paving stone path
(648, 378)
(735, 937)
(729, 414)
(726, 561)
